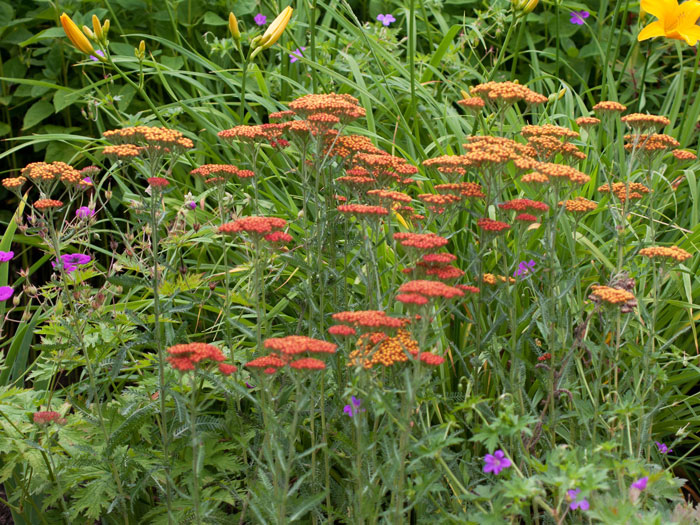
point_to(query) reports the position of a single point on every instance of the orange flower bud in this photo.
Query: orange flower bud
(77, 38)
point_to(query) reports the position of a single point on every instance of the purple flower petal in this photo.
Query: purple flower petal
(260, 19)
(84, 212)
(641, 483)
(6, 292)
(496, 462)
(296, 55)
(386, 20)
(578, 17)
(576, 503)
(6, 256)
(663, 448)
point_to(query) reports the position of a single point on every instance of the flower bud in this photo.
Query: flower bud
(524, 6)
(97, 28)
(77, 38)
(105, 29)
(88, 32)
(274, 32)
(140, 52)
(233, 27)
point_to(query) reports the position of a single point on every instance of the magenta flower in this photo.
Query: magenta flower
(663, 448)
(524, 268)
(353, 408)
(386, 20)
(191, 205)
(496, 462)
(71, 261)
(575, 502)
(6, 256)
(87, 180)
(260, 19)
(84, 212)
(296, 55)
(6, 292)
(578, 17)
(641, 483)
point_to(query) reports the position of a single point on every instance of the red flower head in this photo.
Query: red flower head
(341, 329)
(308, 363)
(158, 182)
(491, 225)
(226, 369)
(298, 344)
(259, 226)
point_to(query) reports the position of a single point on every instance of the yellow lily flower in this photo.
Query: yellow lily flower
(674, 21)
(277, 27)
(78, 39)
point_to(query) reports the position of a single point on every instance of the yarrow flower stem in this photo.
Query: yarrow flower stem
(163, 422)
(195, 448)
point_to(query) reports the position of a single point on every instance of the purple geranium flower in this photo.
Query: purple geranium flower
(578, 17)
(191, 205)
(387, 19)
(6, 292)
(496, 462)
(84, 212)
(641, 483)
(353, 408)
(663, 448)
(71, 261)
(524, 268)
(6, 256)
(260, 19)
(296, 55)
(575, 502)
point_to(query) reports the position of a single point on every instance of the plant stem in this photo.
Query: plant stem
(195, 448)
(159, 347)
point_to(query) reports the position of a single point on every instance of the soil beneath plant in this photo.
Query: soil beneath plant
(5, 514)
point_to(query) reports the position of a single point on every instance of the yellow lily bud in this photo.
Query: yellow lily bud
(77, 38)
(88, 32)
(105, 28)
(464, 93)
(233, 26)
(530, 6)
(97, 27)
(277, 27)
(524, 6)
(140, 52)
